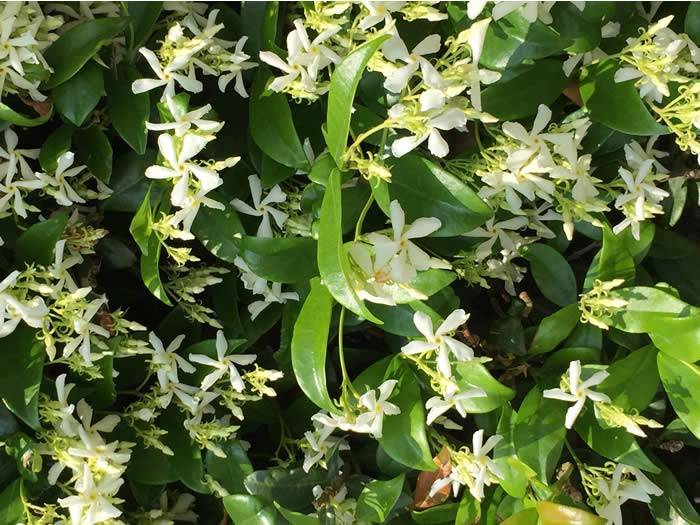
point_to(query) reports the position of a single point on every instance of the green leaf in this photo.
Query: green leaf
(249, 510)
(141, 226)
(128, 183)
(672, 501)
(333, 261)
(512, 39)
(582, 27)
(95, 151)
(273, 172)
(150, 272)
(67, 55)
(217, 230)
(77, 97)
(378, 498)
(150, 466)
(552, 273)
(524, 517)
(142, 19)
(187, 458)
(272, 127)
(310, 343)
(681, 381)
(290, 488)
(441, 514)
(403, 436)
(554, 329)
(259, 23)
(11, 504)
(516, 473)
(636, 369)
(231, 470)
(472, 374)
(616, 104)
(538, 433)
(541, 83)
(20, 376)
(128, 111)
(341, 95)
(36, 244)
(7, 114)
(281, 259)
(559, 361)
(425, 190)
(692, 22)
(556, 514)
(297, 518)
(613, 443)
(614, 261)
(55, 145)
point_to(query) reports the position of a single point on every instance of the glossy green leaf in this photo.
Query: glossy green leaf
(55, 145)
(7, 114)
(94, 149)
(692, 22)
(538, 433)
(128, 183)
(552, 273)
(442, 514)
(230, 471)
(37, 243)
(128, 111)
(77, 97)
(559, 361)
(150, 271)
(20, 377)
(554, 329)
(616, 104)
(404, 435)
(272, 127)
(344, 82)
(141, 226)
(11, 504)
(473, 374)
(614, 261)
(425, 190)
(556, 514)
(281, 259)
(636, 369)
(142, 19)
(524, 517)
(297, 518)
(516, 474)
(259, 23)
(67, 55)
(291, 488)
(218, 231)
(542, 83)
(681, 381)
(333, 261)
(250, 510)
(378, 498)
(310, 343)
(673, 504)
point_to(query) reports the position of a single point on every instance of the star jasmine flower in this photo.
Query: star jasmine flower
(273, 294)
(167, 76)
(440, 341)
(453, 398)
(234, 67)
(642, 192)
(11, 49)
(635, 155)
(535, 155)
(262, 207)
(531, 11)
(318, 444)
(315, 56)
(13, 190)
(395, 49)
(12, 310)
(405, 257)
(166, 361)
(223, 364)
(58, 185)
(84, 328)
(251, 282)
(378, 11)
(190, 208)
(61, 265)
(186, 394)
(502, 231)
(482, 466)
(95, 501)
(617, 491)
(184, 120)
(180, 166)
(16, 157)
(370, 421)
(578, 392)
(67, 423)
(375, 277)
(579, 170)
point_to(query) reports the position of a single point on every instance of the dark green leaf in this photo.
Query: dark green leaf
(552, 273)
(692, 22)
(473, 374)
(231, 470)
(636, 369)
(556, 514)
(142, 19)
(128, 111)
(681, 381)
(128, 183)
(217, 231)
(141, 226)
(55, 145)
(77, 97)
(150, 272)
(187, 458)
(344, 83)
(36, 245)
(281, 259)
(11, 505)
(249, 510)
(95, 151)
(75, 47)
(7, 114)
(554, 329)
(378, 498)
(290, 488)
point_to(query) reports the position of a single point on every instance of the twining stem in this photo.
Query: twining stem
(363, 214)
(363, 136)
(341, 353)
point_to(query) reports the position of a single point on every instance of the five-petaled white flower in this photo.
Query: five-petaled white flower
(262, 207)
(223, 364)
(439, 341)
(578, 392)
(94, 502)
(617, 491)
(370, 421)
(453, 399)
(183, 120)
(395, 49)
(167, 361)
(168, 75)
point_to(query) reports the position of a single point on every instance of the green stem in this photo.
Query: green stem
(341, 353)
(362, 136)
(363, 214)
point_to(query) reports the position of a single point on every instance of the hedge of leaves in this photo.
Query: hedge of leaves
(349, 263)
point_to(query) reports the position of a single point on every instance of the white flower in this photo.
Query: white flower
(320, 442)
(12, 191)
(439, 341)
(315, 56)
(378, 11)
(262, 207)
(67, 424)
(61, 265)
(438, 118)
(15, 157)
(375, 277)
(84, 328)
(535, 156)
(635, 155)
(483, 465)
(95, 502)
(531, 11)
(273, 294)
(181, 166)
(167, 76)
(475, 7)
(370, 421)
(166, 361)
(579, 170)
(58, 185)
(617, 491)
(453, 398)
(12, 310)
(404, 257)
(184, 120)
(234, 66)
(190, 209)
(252, 282)
(502, 231)
(395, 49)
(223, 364)
(578, 392)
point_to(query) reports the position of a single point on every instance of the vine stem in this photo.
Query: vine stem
(362, 136)
(341, 353)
